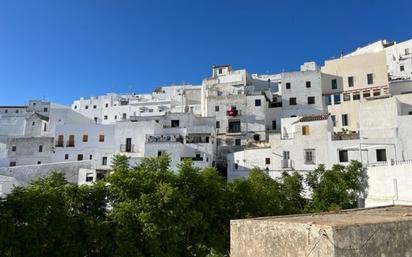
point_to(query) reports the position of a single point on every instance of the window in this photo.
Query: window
(107, 105)
(45, 127)
(160, 153)
(305, 130)
(175, 123)
(287, 85)
(105, 117)
(274, 124)
(33, 123)
(75, 107)
(45, 109)
(356, 96)
(350, 81)
(309, 156)
(94, 106)
(90, 157)
(234, 126)
(333, 118)
(236, 166)
(366, 94)
(216, 108)
(13, 148)
(376, 92)
(104, 161)
(370, 78)
(345, 120)
(292, 101)
(346, 97)
(40, 148)
(71, 141)
(17, 111)
(85, 138)
(336, 99)
(115, 117)
(86, 107)
(238, 141)
(258, 102)
(410, 113)
(80, 157)
(60, 140)
(308, 84)
(407, 51)
(343, 156)
(124, 116)
(12, 164)
(39, 162)
(334, 84)
(286, 155)
(217, 124)
(89, 177)
(311, 100)
(381, 155)
(256, 137)
(219, 93)
(101, 138)
(66, 156)
(220, 71)
(402, 68)
(328, 99)
(6, 111)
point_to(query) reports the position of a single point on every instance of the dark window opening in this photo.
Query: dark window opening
(217, 124)
(345, 121)
(370, 78)
(175, 123)
(292, 101)
(216, 108)
(288, 85)
(66, 156)
(343, 156)
(334, 84)
(350, 81)
(104, 161)
(12, 164)
(256, 137)
(80, 157)
(308, 84)
(40, 148)
(258, 102)
(267, 161)
(238, 141)
(381, 155)
(274, 124)
(311, 100)
(234, 126)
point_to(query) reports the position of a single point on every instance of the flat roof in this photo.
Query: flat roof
(345, 218)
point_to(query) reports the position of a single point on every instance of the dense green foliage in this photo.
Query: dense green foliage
(150, 211)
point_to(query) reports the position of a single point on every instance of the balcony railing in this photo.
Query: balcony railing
(345, 136)
(60, 144)
(152, 139)
(287, 164)
(128, 148)
(70, 144)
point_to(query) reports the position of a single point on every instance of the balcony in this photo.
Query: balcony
(59, 144)
(70, 144)
(171, 138)
(124, 148)
(347, 135)
(287, 164)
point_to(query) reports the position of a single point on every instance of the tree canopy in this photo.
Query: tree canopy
(149, 210)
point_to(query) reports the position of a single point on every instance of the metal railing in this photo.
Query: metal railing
(124, 148)
(287, 164)
(177, 138)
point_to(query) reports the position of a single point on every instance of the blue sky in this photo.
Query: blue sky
(62, 50)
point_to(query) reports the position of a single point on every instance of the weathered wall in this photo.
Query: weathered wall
(269, 238)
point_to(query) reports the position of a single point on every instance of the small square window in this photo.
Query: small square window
(311, 100)
(407, 51)
(45, 109)
(39, 162)
(309, 156)
(258, 102)
(288, 85)
(376, 92)
(85, 138)
(94, 106)
(381, 155)
(238, 141)
(216, 108)
(105, 117)
(308, 84)
(356, 96)
(346, 97)
(13, 148)
(86, 107)
(33, 123)
(101, 138)
(107, 105)
(292, 101)
(66, 156)
(343, 156)
(402, 68)
(267, 161)
(12, 164)
(40, 148)
(366, 94)
(80, 157)
(104, 160)
(220, 71)
(89, 177)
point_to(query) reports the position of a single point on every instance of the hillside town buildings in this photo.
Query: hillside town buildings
(355, 107)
